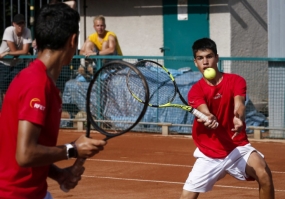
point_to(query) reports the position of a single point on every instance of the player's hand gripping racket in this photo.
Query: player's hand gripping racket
(110, 107)
(163, 88)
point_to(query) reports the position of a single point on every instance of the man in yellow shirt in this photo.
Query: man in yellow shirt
(102, 42)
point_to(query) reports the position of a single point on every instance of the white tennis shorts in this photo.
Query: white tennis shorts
(207, 171)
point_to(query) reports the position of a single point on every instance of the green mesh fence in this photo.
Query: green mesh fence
(265, 91)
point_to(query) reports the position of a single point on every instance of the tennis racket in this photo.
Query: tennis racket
(111, 109)
(163, 88)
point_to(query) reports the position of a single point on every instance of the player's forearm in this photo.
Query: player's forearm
(40, 155)
(241, 112)
(204, 109)
(239, 109)
(54, 172)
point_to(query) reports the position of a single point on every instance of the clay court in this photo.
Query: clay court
(144, 165)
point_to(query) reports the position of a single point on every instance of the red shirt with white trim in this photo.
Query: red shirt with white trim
(32, 96)
(217, 143)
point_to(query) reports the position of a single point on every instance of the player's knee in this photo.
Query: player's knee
(264, 177)
(189, 195)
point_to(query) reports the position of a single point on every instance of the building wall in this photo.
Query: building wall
(138, 24)
(249, 36)
(220, 30)
(276, 28)
(276, 19)
(239, 27)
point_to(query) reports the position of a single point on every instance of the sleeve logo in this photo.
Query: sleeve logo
(35, 103)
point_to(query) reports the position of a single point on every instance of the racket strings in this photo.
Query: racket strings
(134, 85)
(112, 106)
(161, 87)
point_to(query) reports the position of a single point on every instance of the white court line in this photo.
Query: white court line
(152, 163)
(168, 182)
(148, 163)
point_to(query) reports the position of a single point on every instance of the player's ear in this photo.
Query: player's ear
(74, 40)
(217, 58)
(195, 62)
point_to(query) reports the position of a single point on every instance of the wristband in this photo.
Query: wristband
(70, 151)
(75, 149)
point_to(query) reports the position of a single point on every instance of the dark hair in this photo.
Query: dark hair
(204, 44)
(54, 25)
(18, 18)
(54, 1)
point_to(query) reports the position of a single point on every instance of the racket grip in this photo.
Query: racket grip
(201, 116)
(76, 167)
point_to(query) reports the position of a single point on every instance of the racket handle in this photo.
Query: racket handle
(201, 116)
(74, 170)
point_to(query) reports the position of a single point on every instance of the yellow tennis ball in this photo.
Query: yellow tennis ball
(209, 73)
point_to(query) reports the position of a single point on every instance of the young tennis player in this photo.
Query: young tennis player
(31, 113)
(224, 149)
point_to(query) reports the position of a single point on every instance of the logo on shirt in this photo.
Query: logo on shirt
(217, 96)
(35, 103)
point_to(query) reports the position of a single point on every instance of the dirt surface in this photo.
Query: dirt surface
(144, 166)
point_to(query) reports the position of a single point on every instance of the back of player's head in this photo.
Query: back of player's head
(204, 44)
(54, 25)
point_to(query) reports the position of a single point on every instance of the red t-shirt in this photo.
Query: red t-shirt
(32, 96)
(217, 143)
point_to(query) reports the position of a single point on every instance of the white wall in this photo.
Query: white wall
(238, 27)
(138, 24)
(249, 28)
(220, 26)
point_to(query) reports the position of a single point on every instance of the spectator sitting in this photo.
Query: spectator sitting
(84, 74)
(88, 47)
(105, 42)
(16, 41)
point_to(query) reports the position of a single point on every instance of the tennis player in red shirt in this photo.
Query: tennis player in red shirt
(224, 149)
(31, 113)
